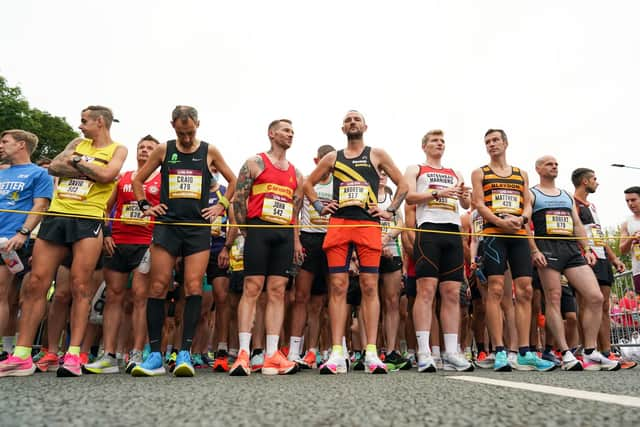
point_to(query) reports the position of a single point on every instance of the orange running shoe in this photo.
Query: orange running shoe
(624, 363)
(481, 356)
(308, 361)
(221, 363)
(48, 363)
(84, 358)
(277, 364)
(240, 367)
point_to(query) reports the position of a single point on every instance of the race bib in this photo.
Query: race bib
(236, 257)
(132, 211)
(353, 193)
(386, 226)
(478, 222)
(506, 201)
(276, 209)
(636, 251)
(216, 226)
(597, 235)
(185, 184)
(315, 217)
(447, 203)
(559, 222)
(74, 188)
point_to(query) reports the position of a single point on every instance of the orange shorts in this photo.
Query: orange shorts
(340, 242)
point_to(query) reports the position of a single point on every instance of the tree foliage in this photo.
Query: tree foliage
(53, 132)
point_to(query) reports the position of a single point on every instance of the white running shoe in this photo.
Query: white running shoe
(426, 363)
(597, 362)
(456, 362)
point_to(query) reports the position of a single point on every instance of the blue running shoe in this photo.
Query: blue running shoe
(502, 363)
(551, 358)
(151, 367)
(146, 351)
(184, 368)
(531, 362)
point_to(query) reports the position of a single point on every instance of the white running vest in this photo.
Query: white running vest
(633, 226)
(443, 210)
(309, 215)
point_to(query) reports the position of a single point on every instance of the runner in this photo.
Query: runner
(555, 215)
(501, 196)
(126, 249)
(585, 183)
(269, 193)
(355, 189)
(314, 270)
(87, 169)
(437, 191)
(23, 187)
(184, 196)
(630, 231)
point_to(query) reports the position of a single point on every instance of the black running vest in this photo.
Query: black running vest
(355, 186)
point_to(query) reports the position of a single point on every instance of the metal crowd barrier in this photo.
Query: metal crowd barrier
(624, 312)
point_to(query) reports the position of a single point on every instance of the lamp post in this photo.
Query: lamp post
(618, 165)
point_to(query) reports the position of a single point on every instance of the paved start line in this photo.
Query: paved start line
(558, 391)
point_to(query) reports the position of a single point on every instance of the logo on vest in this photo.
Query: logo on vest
(174, 158)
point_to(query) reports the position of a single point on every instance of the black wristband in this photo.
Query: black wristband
(318, 206)
(106, 231)
(144, 205)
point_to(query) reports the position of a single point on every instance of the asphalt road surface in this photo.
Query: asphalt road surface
(397, 399)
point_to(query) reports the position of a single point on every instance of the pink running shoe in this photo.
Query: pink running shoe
(14, 366)
(374, 365)
(71, 366)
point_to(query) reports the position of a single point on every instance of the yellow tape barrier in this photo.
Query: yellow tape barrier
(198, 224)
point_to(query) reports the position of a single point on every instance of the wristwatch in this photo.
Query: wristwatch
(76, 159)
(144, 205)
(434, 194)
(391, 210)
(24, 231)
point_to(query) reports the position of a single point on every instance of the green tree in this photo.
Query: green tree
(15, 113)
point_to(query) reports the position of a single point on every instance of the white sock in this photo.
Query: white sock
(169, 348)
(345, 351)
(245, 341)
(7, 344)
(272, 344)
(223, 346)
(294, 348)
(451, 343)
(314, 350)
(423, 341)
(435, 350)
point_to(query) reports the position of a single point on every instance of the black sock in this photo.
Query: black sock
(480, 346)
(155, 321)
(190, 318)
(112, 355)
(499, 348)
(548, 348)
(606, 353)
(588, 351)
(256, 351)
(523, 350)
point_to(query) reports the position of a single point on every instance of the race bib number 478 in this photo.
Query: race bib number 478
(185, 184)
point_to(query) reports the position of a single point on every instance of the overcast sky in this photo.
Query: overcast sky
(560, 77)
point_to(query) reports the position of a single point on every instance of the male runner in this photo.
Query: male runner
(555, 215)
(356, 171)
(437, 191)
(269, 193)
(184, 196)
(630, 231)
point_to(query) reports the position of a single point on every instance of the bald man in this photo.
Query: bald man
(554, 252)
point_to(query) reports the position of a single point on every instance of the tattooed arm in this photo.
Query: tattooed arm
(61, 164)
(248, 173)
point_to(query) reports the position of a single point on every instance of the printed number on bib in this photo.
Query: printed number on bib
(132, 211)
(185, 184)
(74, 188)
(276, 209)
(315, 217)
(506, 201)
(559, 222)
(448, 203)
(597, 235)
(216, 226)
(353, 193)
(478, 222)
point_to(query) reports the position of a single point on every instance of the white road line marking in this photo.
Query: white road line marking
(618, 399)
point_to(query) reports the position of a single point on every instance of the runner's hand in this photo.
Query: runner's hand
(157, 210)
(212, 212)
(223, 258)
(618, 265)
(330, 208)
(453, 192)
(109, 245)
(298, 252)
(377, 212)
(538, 259)
(16, 242)
(590, 257)
(510, 223)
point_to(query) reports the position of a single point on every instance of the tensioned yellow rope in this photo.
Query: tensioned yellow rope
(394, 227)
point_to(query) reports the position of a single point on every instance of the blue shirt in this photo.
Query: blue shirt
(19, 185)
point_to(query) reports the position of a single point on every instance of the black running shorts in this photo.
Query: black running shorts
(181, 240)
(603, 271)
(389, 265)
(66, 231)
(213, 270)
(267, 251)
(502, 252)
(126, 258)
(561, 254)
(315, 259)
(439, 255)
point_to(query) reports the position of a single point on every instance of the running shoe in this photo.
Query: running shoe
(84, 358)
(468, 355)
(335, 365)
(278, 364)
(71, 367)
(146, 351)
(597, 362)
(512, 358)
(374, 365)
(358, 362)
(4, 356)
(241, 367)
(171, 363)
(48, 363)
(257, 361)
(501, 363)
(151, 367)
(624, 363)
(570, 363)
(105, 365)
(134, 360)
(456, 362)
(396, 362)
(221, 363)
(308, 361)
(426, 363)
(14, 366)
(184, 368)
(411, 357)
(208, 361)
(550, 357)
(531, 362)
(196, 361)
(438, 360)
(43, 351)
